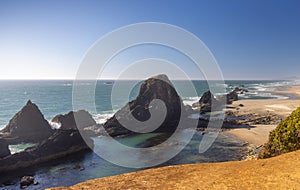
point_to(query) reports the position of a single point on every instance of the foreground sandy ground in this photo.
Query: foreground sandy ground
(281, 172)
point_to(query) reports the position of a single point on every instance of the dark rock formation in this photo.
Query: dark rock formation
(232, 96)
(4, 150)
(26, 181)
(74, 120)
(229, 98)
(206, 101)
(158, 87)
(28, 125)
(240, 90)
(237, 89)
(60, 144)
(206, 98)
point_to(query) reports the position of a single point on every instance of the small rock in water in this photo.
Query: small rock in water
(36, 183)
(78, 167)
(26, 181)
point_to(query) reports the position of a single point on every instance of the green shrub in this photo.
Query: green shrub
(284, 138)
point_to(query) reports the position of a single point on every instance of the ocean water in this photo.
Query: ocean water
(63, 172)
(55, 97)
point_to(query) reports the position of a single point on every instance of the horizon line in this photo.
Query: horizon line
(126, 79)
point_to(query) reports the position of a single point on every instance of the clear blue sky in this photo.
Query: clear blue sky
(251, 39)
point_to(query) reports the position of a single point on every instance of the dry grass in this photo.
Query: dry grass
(282, 172)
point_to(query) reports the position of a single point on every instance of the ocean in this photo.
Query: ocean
(55, 97)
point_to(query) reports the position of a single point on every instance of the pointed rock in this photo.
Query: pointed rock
(28, 125)
(206, 101)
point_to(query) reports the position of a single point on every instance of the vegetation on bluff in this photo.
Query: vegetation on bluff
(285, 138)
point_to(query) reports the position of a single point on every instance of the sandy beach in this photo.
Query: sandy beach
(258, 134)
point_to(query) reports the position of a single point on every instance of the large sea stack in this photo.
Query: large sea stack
(157, 87)
(28, 125)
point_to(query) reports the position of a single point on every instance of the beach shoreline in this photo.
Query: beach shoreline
(257, 134)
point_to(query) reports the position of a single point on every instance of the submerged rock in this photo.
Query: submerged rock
(158, 87)
(28, 125)
(74, 120)
(4, 150)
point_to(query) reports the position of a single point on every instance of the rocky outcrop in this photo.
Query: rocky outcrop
(285, 138)
(206, 101)
(232, 96)
(27, 181)
(241, 90)
(60, 144)
(158, 87)
(28, 125)
(74, 120)
(229, 98)
(4, 150)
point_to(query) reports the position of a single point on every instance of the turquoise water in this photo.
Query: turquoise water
(19, 147)
(62, 172)
(55, 97)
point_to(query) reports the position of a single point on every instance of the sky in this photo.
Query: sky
(250, 39)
